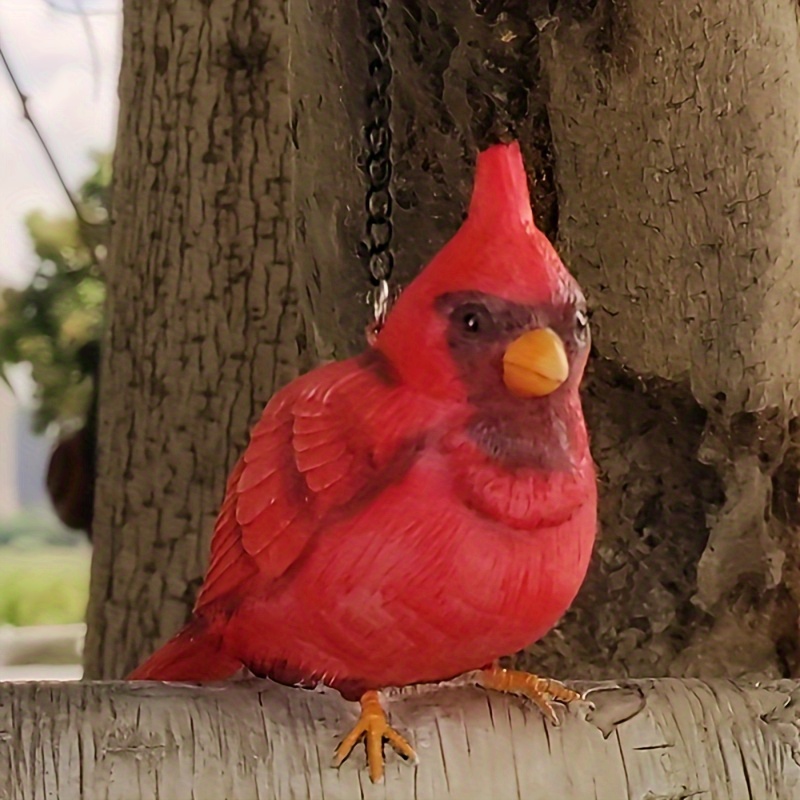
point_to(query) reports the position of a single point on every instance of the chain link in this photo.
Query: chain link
(378, 164)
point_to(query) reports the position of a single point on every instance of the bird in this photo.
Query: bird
(420, 510)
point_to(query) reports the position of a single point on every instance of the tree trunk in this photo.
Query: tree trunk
(676, 134)
(661, 140)
(656, 740)
(202, 310)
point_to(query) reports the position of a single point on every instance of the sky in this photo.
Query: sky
(71, 83)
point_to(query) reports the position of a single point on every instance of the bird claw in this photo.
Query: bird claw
(542, 691)
(374, 727)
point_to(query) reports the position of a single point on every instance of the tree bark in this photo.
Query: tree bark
(644, 740)
(202, 320)
(675, 133)
(660, 136)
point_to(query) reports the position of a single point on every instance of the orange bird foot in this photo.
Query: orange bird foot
(543, 691)
(373, 726)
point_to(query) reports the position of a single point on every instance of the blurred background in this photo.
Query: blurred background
(59, 63)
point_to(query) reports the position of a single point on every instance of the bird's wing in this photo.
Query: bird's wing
(334, 437)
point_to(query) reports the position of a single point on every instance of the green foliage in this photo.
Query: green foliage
(44, 571)
(55, 321)
(44, 586)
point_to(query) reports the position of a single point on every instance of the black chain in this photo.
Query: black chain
(378, 162)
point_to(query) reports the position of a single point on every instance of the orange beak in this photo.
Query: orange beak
(535, 364)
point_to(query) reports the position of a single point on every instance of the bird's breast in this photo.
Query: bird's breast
(420, 585)
(526, 498)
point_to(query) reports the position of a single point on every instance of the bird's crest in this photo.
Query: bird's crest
(500, 193)
(498, 251)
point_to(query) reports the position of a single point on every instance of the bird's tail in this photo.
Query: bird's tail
(194, 654)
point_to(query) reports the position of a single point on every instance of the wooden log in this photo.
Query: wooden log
(661, 739)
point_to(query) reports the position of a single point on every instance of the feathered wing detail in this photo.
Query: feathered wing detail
(319, 445)
(230, 565)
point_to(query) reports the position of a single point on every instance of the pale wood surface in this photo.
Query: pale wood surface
(649, 740)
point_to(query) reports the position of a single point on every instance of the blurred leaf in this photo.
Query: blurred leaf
(60, 313)
(54, 239)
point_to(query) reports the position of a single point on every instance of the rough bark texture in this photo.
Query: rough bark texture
(201, 301)
(433, 95)
(661, 140)
(661, 136)
(329, 87)
(677, 168)
(646, 740)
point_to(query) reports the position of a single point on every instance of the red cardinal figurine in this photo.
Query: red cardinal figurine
(420, 510)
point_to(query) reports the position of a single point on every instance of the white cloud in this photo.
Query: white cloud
(73, 99)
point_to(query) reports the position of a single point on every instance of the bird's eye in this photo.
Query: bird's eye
(473, 319)
(582, 322)
(472, 322)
